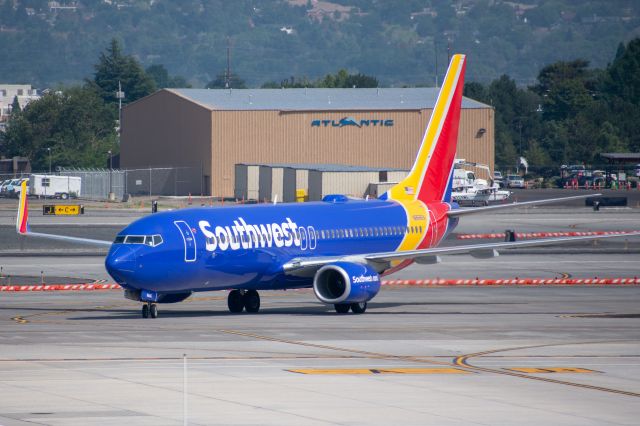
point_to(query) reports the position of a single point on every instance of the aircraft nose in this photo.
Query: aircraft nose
(121, 263)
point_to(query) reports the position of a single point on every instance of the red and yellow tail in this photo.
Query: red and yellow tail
(432, 173)
(22, 221)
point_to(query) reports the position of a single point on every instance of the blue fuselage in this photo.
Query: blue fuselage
(201, 249)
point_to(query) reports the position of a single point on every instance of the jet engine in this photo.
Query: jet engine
(345, 282)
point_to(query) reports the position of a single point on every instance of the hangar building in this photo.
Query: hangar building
(210, 131)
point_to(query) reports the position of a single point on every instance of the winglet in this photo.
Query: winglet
(22, 221)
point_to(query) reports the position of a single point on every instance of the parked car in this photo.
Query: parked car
(3, 187)
(514, 181)
(15, 189)
(10, 188)
(498, 178)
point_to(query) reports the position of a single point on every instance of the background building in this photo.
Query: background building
(208, 132)
(8, 92)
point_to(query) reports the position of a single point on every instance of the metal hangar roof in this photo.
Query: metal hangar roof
(318, 99)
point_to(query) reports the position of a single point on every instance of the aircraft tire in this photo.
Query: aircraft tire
(235, 301)
(153, 311)
(145, 311)
(251, 301)
(359, 308)
(342, 308)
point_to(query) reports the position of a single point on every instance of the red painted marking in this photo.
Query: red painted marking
(542, 234)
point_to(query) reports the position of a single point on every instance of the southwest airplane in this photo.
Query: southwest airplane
(339, 246)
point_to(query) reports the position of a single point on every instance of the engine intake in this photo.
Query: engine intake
(345, 282)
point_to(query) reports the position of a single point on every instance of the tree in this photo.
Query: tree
(220, 82)
(163, 80)
(623, 76)
(15, 106)
(75, 123)
(342, 79)
(475, 91)
(114, 67)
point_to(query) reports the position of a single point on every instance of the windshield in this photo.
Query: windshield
(149, 240)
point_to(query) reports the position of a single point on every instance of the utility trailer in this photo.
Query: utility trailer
(54, 186)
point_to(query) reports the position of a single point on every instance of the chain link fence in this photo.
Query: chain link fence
(98, 184)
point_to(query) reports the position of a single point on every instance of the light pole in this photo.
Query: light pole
(120, 97)
(49, 151)
(519, 118)
(110, 172)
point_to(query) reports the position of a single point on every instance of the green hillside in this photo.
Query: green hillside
(45, 43)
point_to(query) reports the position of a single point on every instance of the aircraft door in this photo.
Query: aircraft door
(312, 237)
(303, 238)
(189, 240)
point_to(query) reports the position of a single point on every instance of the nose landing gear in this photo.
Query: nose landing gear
(239, 300)
(149, 310)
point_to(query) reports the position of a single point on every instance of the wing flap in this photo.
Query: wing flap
(306, 267)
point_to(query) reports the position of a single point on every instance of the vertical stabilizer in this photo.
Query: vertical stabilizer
(432, 172)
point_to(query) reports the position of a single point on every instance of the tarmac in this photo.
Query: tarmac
(445, 356)
(562, 355)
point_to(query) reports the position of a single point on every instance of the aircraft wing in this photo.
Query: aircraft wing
(22, 225)
(461, 212)
(307, 266)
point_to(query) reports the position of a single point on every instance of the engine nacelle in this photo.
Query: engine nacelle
(345, 282)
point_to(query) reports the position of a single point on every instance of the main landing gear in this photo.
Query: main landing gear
(149, 310)
(356, 308)
(239, 300)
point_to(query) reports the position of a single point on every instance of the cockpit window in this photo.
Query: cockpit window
(149, 240)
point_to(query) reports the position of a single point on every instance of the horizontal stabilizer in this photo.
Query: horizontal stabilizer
(461, 212)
